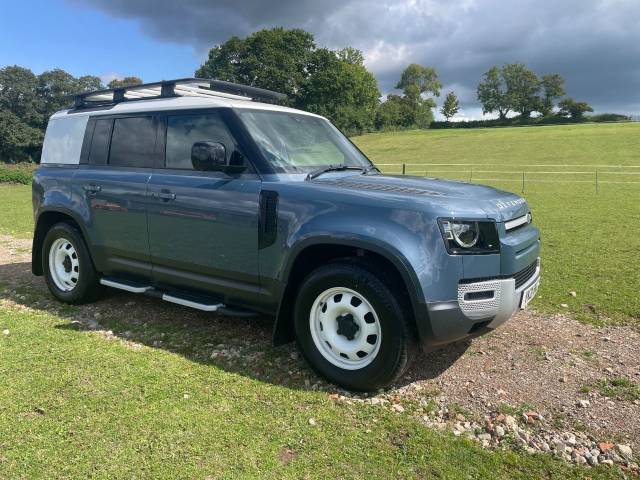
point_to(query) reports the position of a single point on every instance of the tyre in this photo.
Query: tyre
(67, 266)
(351, 328)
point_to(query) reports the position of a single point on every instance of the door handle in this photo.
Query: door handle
(164, 195)
(91, 188)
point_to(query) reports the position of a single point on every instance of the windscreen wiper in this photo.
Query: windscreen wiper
(332, 168)
(369, 169)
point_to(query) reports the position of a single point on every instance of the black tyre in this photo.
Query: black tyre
(67, 266)
(351, 327)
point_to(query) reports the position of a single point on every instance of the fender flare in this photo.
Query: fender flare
(384, 249)
(38, 235)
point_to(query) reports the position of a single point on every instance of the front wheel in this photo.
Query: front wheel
(351, 327)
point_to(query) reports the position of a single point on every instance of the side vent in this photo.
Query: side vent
(268, 218)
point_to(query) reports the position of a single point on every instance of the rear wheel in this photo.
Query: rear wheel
(67, 266)
(351, 327)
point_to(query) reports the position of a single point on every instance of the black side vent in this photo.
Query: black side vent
(268, 218)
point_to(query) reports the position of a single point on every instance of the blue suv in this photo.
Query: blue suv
(210, 195)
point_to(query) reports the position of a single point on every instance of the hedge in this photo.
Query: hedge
(16, 174)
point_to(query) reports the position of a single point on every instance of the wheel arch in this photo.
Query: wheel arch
(47, 219)
(310, 254)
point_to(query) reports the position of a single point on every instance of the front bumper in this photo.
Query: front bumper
(481, 307)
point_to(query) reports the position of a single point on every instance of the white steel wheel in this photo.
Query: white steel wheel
(345, 328)
(64, 265)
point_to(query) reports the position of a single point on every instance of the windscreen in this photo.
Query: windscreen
(298, 143)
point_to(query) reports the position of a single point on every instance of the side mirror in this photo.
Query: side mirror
(209, 156)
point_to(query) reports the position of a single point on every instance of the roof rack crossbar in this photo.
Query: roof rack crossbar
(203, 87)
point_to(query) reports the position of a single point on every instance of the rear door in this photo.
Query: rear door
(203, 225)
(112, 188)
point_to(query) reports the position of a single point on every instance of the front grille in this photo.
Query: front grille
(525, 274)
(521, 277)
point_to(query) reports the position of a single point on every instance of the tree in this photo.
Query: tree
(450, 106)
(19, 141)
(552, 89)
(415, 81)
(522, 87)
(574, 109)
(124, 82)
(55, 88)
(275, 59)
(492, 93)
(331, 83)
(344, 91)
(18, 94)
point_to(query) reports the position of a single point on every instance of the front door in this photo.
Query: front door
(203, 226)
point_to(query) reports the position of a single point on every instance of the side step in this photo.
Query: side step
(204, 303)
(126, 285)
(207, 307)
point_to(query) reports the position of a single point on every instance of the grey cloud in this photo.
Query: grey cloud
(594, 44)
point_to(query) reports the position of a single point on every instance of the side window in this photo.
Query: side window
(133, 142)
(100, 142)
(185, 130)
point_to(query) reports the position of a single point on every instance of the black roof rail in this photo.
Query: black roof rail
(203, 87)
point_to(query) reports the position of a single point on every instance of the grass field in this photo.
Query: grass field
(591, 241)
(76, 404)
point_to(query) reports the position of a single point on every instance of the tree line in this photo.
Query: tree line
(332, 83)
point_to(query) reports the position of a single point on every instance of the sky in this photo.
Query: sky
(593, 44)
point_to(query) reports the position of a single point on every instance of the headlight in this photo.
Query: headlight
(469, 236)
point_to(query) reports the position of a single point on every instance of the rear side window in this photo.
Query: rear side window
(185, 130)
(133, 142)
(63, 140)
(100, 142)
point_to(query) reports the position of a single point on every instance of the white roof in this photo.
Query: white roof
(180, 103)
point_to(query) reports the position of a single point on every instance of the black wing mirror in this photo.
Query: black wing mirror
(209, 156)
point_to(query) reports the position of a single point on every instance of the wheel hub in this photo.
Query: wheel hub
(347, 326)
(66, 263)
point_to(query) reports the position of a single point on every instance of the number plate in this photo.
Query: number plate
(529, 293)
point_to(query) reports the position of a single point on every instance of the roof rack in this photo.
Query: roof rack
(182, 87)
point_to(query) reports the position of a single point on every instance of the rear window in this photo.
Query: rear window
(63, 140)
(133, 142)
(100, 142)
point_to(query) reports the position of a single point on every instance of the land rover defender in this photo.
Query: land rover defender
(210, 195)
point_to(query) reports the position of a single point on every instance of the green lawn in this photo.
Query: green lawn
(591, 242)
(17, 216)
(75, 404)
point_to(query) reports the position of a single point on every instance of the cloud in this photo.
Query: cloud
(594, 44)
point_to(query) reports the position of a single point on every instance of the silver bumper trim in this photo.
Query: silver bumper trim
(497, 298)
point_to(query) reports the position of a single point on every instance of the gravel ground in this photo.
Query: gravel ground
(541, 382)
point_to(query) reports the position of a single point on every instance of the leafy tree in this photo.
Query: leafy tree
(19, 141)
(522, 87)
(18, 93)
(415, 81)
(552, 89)
(55, 88)
(276, 59)
(124, 82)
(450, 106)
(492, 93)
(574, 109)
(331, 83)
(344, 91)
(392, 113)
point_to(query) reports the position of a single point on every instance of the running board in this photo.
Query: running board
(191, 303)
(127, 286)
